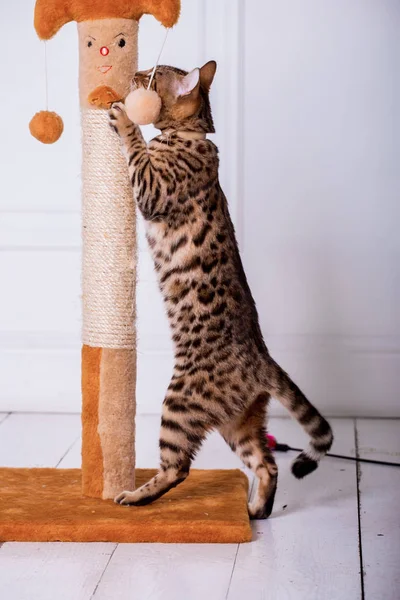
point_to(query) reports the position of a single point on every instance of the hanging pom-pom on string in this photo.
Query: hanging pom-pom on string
(143, 106)
(46, 126)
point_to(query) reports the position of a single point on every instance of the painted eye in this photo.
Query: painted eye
(121, 43)
(89, 44)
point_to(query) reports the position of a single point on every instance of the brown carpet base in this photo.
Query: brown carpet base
(46, 505)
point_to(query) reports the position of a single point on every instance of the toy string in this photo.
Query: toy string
(158, 59)
(287, 448)
(46, 79)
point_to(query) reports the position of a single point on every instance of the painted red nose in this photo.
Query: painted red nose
(104, 51)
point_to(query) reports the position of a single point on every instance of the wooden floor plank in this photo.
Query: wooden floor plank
(168, 572)
(3, 416)
(309, 546)
(72, 458)
(37, 440)
(379, 508)
(52, 571)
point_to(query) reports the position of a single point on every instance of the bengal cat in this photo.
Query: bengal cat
(223, 375)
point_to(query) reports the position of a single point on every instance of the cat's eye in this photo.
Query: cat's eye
(121, 43)
(89, 44)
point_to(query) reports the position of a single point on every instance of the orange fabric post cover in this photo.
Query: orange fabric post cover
(51, 15)
(92, 473)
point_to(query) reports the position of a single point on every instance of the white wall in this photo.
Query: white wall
(305, 103)
(321, 215)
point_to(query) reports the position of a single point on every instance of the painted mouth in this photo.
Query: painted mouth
(104, 69)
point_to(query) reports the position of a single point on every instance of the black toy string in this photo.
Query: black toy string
(285, 448)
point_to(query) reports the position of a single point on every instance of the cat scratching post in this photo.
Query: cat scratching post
(39, 505)
(108, 51)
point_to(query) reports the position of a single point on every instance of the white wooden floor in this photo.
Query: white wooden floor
(334, 535)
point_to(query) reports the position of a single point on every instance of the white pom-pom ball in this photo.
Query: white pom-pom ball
(143, 106)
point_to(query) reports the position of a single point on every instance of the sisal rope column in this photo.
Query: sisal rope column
(109, 237)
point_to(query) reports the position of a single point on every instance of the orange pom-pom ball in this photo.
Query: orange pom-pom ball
(46, 127)
(143, 106)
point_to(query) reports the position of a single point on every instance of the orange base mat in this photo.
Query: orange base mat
(46, 505)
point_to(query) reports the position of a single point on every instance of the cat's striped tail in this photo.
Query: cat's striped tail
(314, 424)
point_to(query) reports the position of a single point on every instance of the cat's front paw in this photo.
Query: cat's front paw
(125, 498)
(119, 120)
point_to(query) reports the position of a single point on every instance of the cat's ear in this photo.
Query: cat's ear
(207, 74)
(190, 83)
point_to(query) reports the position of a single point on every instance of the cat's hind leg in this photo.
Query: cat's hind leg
(247, 437)
(182, 433)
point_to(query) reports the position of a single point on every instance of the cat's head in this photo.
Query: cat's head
(184, 96)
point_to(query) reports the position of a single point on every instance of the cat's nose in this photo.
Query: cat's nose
(104, 51)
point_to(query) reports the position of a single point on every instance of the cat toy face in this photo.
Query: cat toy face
(107, 50)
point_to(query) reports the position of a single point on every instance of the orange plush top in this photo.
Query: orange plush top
(51, 15)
